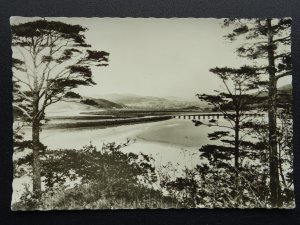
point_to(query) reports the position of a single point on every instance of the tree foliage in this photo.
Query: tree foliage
(240, 92)
(255, 34)
(50, 59)
(255, 182)
(267, 41)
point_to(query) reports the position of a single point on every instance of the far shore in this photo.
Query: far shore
(106, 122)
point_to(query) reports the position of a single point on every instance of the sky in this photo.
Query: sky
(157, 57)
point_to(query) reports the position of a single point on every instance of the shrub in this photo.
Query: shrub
(93, 178)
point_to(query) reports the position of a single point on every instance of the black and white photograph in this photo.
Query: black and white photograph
(151, 113)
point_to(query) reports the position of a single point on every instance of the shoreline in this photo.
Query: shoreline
(107, 123)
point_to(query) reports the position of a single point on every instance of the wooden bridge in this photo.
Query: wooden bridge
(214, 115)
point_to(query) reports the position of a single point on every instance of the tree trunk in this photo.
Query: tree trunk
(236, 157)
(272, 111)
(36, 174)
(236, 143)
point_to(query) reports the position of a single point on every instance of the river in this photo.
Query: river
(175, 140)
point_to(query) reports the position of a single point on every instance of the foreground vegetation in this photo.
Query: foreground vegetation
(95, 179)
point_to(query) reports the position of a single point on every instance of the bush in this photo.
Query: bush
(92, 178)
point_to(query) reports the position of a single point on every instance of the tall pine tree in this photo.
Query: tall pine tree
(51, 58)
(241, 93)
(267, 41)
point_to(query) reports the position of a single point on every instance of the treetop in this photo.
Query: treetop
(43, 27)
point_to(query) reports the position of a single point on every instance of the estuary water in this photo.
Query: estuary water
(175, 141)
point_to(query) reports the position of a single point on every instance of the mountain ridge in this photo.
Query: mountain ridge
(75, 106)
(152, 102)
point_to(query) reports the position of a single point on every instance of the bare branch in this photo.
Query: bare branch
(24, 111)
(23, 82)
(287, 73)
(23, 95)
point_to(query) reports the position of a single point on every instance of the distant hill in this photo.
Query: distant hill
(151, 102)
(103, 103)
(284, 97)
(76, 106)
(283, 90)
(286, 89)
(69, 108)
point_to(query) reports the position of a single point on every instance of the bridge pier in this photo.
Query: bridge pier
(215, 116)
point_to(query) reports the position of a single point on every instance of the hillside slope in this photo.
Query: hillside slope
(76, 106)
(103, 103)
(69, 108)
(151, 102)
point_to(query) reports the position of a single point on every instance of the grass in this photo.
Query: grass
(92, 196)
